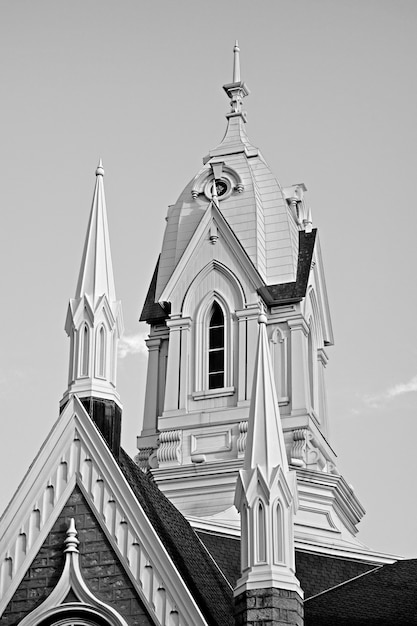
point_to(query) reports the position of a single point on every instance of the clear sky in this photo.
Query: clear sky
(333, 104)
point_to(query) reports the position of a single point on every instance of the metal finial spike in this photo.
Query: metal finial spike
(100, 170)
(236, 63)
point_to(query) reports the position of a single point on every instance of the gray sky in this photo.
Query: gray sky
(333, 104)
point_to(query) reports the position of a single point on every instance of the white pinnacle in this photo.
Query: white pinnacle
(96, 272)
(265, 445)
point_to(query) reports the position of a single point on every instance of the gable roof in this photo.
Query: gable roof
(212, 216)
(143, 527)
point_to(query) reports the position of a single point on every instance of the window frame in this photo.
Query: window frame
(201, 350)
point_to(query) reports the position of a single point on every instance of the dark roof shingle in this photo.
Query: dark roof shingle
(203, 578)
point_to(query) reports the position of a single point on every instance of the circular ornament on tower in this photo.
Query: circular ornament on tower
(224, 188)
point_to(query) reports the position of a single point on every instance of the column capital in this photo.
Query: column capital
(179, 323)
(153, 343)
(251, 312)
(298, 323)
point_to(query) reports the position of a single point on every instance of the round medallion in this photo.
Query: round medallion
(221, 187)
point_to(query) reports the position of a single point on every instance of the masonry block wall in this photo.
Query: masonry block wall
(269, 607)
(100, 568)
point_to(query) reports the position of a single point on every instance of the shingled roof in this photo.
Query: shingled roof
(285, 293)
(316, 572)
(383, 596)
(207, 584)
(152, 311)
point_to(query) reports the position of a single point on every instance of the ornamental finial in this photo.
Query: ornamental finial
(237, 89)
(71, 542)
(236, 63)
(100, 170)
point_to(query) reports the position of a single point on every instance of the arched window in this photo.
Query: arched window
(101, 353)
(261, 534)
(85, 351)
(216, 348)
(279, 534)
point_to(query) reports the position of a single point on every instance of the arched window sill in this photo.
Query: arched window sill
(213, 393)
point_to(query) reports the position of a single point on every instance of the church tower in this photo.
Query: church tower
(94, 325)
(237, 244)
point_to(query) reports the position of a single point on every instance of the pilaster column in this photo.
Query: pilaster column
(177, 367)
(242, 355)
(184, 362)
(299, 365)
(322, 359)
(151, 397)
(252, 314)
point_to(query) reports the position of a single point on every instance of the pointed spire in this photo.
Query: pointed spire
(96, 272)
(265, 445)
(266, 497)
(237, 90)
(95, 324)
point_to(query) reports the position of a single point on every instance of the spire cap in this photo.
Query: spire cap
(236, 90)
(96, 271)
(100, 170)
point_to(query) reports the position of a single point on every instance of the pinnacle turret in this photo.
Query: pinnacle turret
(95, 324)
(266, 494)
(96, 271)
(265, 446)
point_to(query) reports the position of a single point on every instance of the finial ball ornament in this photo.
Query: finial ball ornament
(262, 319)
(100, 170)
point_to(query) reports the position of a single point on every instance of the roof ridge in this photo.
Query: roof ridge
(345, 582)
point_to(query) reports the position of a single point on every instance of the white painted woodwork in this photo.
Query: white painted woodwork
(75, 443)
(94, 319)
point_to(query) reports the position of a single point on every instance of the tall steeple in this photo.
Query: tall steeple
(266, 498)
(237, 244)
(94, 324)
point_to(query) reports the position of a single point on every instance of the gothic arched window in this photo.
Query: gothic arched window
(85, 350)
(216, 348)
(261, 533)
(101, 353)
(279, 534)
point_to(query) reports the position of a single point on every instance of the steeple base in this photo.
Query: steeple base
(274, 607)
(107, 416)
